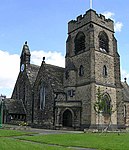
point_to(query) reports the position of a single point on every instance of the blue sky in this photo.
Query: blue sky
(43, 23)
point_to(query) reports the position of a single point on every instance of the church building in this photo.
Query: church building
(53, 97)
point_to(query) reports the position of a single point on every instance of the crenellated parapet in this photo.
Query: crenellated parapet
(90, 17)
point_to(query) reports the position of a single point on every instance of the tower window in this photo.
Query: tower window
(105, 71)
(81, 71)
(79, 42)
(103, 42)
(42, 97)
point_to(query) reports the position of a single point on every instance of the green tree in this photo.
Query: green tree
(104, 107)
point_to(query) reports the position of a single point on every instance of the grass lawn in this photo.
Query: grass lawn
(8, 142)
(7, 133)
(109, 141)
(14, 144)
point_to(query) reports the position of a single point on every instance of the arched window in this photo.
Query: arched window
(79, 42)
(42, 96)
(105, 71)
(103, 42)
(106, 104)
(81, 71)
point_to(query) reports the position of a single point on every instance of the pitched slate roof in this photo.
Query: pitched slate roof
(125, 91)
(14, 106)
(32, 72)
(55, 75)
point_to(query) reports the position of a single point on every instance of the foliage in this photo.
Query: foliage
(100, 106)
(23, 124)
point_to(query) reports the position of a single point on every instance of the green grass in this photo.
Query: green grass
(8, 141)
(19, 140)
(109, 141)
(14, 144)
(6, 133)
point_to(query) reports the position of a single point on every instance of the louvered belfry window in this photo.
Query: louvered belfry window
(103, 42)
(79, 42)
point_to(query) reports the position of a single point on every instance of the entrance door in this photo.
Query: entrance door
(67, 118)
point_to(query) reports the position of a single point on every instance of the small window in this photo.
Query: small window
(42, 97)
(81, 71)
(103, 42)
(105, 71)
(79, 42)
(71, 93)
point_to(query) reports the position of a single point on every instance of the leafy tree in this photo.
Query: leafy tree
(103, 106)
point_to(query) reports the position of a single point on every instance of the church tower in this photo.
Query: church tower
(92, 62)
(25, 57)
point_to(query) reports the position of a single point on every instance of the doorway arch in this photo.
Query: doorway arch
(67, 118)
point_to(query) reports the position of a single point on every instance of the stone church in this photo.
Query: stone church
(53, 97)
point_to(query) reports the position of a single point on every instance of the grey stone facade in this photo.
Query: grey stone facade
(56, 97)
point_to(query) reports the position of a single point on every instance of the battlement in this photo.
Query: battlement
(90, 16)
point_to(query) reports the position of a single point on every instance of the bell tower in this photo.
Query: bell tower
(25, 56)
(92, 62)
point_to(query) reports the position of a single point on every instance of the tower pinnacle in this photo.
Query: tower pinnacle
(25, 55)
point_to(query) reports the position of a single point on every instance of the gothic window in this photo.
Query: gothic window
(79, 42)
(81, 71)
(104, 71)
(103, 42)
(106, 104)
(42, 97)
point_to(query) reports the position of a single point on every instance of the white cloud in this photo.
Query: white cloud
(9, 67)
(117, 25)
(54, 58)
(108, 14)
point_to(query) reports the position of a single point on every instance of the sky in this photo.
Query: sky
(43, 23)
